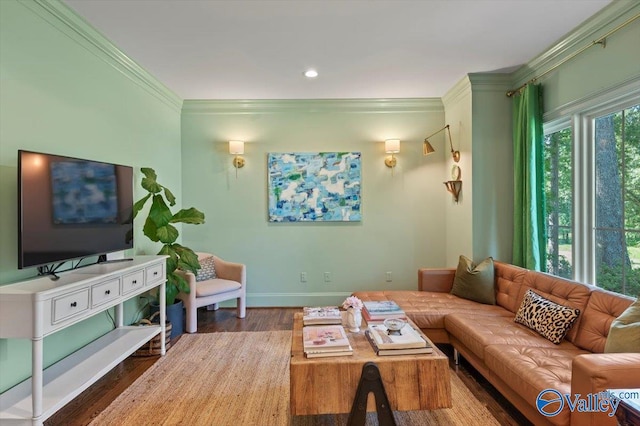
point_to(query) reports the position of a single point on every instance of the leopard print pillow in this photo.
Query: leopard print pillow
(550, 320)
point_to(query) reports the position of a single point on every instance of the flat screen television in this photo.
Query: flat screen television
(69, 208)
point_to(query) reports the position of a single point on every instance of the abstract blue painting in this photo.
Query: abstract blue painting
(314, 186)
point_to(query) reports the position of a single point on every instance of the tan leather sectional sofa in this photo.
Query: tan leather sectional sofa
(516, 360)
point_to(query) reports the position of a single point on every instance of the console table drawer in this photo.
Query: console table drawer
(70, 304)
(155, 273)
(104, 292)
(132, 281)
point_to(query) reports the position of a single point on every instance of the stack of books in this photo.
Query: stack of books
(325, 340)
(377, 312)
(409, 342)
(321, 315)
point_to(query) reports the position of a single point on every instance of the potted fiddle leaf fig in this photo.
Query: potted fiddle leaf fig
(158, 227)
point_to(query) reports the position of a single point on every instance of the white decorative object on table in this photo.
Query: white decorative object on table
(353, 305)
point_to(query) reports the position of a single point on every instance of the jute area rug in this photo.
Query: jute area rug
(242, 378)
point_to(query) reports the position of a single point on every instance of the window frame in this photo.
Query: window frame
(580, 117)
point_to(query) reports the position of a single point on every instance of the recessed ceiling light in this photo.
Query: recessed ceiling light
(311, 73)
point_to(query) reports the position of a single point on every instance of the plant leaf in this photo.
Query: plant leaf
(167, 234)
(139, 204)
(188, 259)
(191, 215)
(172, 260)
(182, 284)
(159, 211)
(170, 197)
(148, 172)
(171, 289)
(149, 181)
(150, 230)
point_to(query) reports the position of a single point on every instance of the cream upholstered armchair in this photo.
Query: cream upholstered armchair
(229, 282)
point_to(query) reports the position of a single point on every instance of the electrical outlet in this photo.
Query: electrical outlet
(327, 277)
(303, 277)
(388, 276)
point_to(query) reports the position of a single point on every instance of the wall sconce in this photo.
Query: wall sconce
(427, 148)
(237, 148)
(454, 187)
(391, 146)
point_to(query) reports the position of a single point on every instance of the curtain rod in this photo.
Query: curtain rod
(602, 41)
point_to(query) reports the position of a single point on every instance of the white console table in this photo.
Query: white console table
(39, 307)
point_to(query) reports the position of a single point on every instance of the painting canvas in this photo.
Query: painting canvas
(311, 187)
(84, 193)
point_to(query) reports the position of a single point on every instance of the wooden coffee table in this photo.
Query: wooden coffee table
(328, 385)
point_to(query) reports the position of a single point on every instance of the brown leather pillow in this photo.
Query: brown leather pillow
(475, 282)
(624, 334)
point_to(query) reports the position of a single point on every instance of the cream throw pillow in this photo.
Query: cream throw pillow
(624, 334)
(475, 282)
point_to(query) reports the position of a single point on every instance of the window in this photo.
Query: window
(617, 200)
(559, 202)
(592, 190)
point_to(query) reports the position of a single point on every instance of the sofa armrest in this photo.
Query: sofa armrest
(434, 279)
(593, 373)
(230, 270)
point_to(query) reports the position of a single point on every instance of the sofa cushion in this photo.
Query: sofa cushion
(207, 269)
(428, 309)
(529, 370)
(216, 286)
(595, 322)
(475, 282)
(508, 284)
(477, 332)
(624, 335)
(549, 319)
(558, 290)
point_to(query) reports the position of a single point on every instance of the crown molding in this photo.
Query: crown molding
(63, 18)
(625, 90)
(490, 82)
(592, 29)
(458, 91)
(272, 106)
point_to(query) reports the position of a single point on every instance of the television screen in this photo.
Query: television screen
(70, 208)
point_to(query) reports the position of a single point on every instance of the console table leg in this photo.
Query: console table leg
(36, 378)
(370, 381)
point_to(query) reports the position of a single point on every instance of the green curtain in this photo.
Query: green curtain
(529, 231)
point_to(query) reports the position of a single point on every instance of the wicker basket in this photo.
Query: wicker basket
(153, 346)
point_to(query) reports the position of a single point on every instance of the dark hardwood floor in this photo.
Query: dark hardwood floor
(96, 398)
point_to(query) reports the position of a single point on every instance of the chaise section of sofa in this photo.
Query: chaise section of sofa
(518, 361)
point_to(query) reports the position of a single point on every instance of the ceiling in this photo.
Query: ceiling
(259, 49)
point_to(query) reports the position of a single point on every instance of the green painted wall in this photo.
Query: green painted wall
(596, 70)
(477, 107)
(403, 216)
(65, 89)
(59, 93)
(492, 167)
(459, 223)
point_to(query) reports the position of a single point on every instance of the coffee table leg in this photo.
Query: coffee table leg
(370, 381)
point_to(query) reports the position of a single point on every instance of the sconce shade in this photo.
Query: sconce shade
(236, 147)
(427, 148)
(392, 146)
